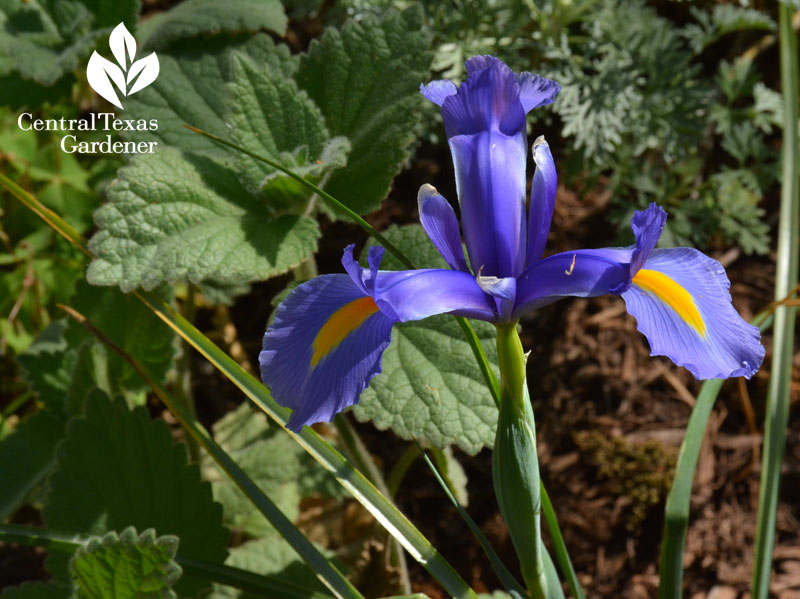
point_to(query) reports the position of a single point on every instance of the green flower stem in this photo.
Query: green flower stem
(786, 272)
(511, 359)
(515, 465)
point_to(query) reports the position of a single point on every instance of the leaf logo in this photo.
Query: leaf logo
(127, 75)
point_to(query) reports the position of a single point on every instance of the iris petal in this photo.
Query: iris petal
(503, 291)
(437, 91)
(488, 99)
(582, 273)
(322, 349)
(490, 179)
(647, 226)
(535, 91)
(485, 124)
(326, 341)
(543, 198)
(417, 294)
(439, 221)
(718, 345)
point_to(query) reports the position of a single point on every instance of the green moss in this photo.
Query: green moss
(642, 472)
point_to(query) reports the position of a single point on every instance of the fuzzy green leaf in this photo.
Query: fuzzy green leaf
(118, 468)
(42, 40)
(365, 79)
(191, 90)
(65, 362)
(272, 118)
(269, 555)
(194, 18)
(172, 217)
(126, 566)
(430, 385)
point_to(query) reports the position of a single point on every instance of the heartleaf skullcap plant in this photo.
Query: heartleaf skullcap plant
(328, 335)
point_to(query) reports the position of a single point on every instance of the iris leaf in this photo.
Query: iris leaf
(786, 273)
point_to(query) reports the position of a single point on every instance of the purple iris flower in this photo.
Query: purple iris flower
(328, 336)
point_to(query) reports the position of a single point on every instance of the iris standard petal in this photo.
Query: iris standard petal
(535, 91)
(647, 226)
(439, 221)
(682, 305)
(417, 294)
(582, 273)
(437, 91)
(488, 99)
(543, 198)
(323, 347)
(485, 124)
(363, 278)
(479, 63)
(490, 179)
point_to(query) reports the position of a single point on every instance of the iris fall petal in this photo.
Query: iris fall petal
(318, 363)
(681, 303)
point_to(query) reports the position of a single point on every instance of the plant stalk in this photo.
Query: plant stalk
(515, 465)
(777, 412)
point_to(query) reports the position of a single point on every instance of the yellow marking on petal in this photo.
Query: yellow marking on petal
(341, 323)
(571, 266)
(672, 294)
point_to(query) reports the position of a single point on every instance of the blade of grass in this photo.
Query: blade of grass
(676, 520)
(328, 574)
(58, 224)
(562, 556)
(506, 578)
(264, 585)
(777, 412)
(391, 518)
(360, 456)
